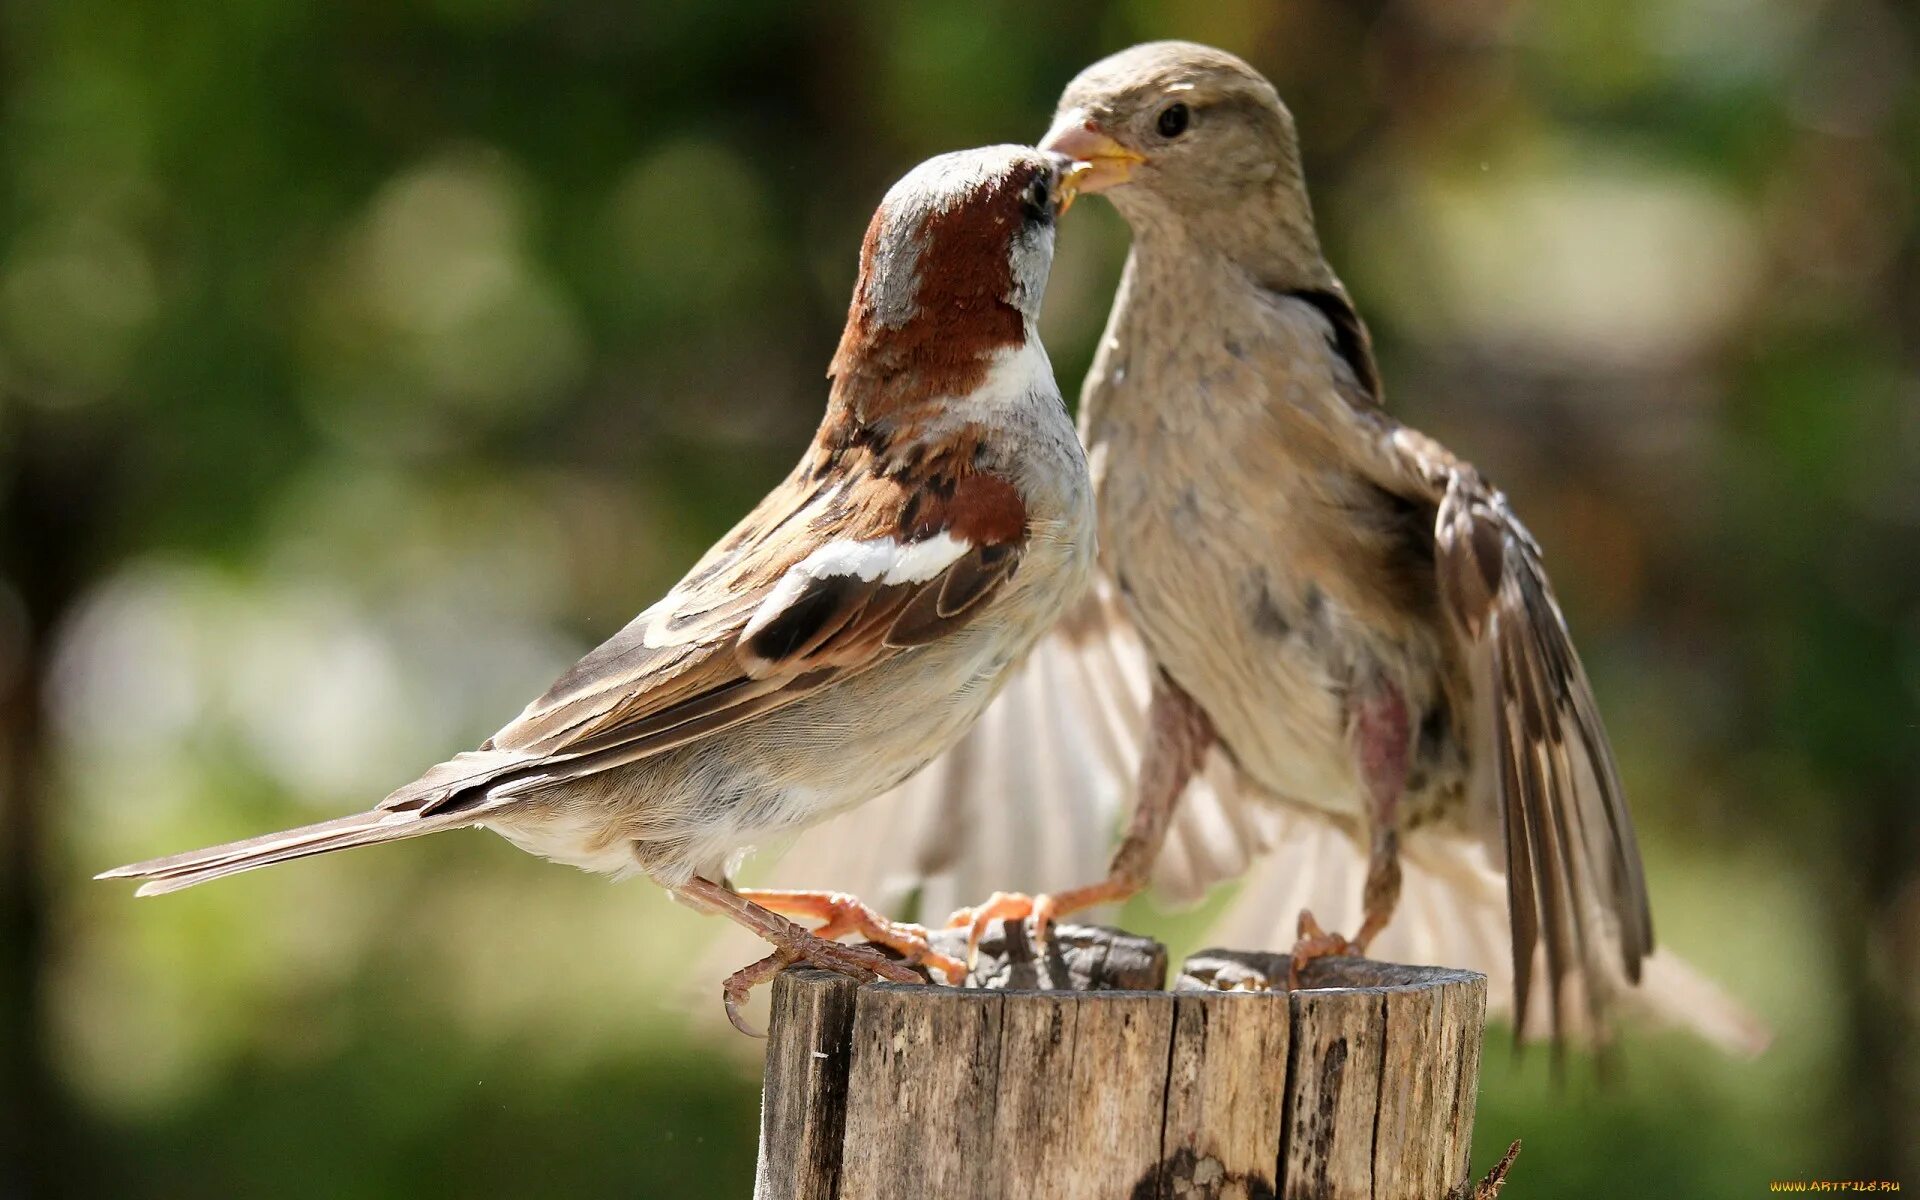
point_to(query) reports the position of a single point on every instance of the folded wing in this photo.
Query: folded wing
(817, 584)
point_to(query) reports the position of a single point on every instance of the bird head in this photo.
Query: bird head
(955, 263)
(1183, 136)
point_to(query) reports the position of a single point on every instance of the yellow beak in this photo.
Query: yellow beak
(1070, 180)
(1099, 162)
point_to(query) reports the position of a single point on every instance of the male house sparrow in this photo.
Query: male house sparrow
(845, 632)
(1338, 624)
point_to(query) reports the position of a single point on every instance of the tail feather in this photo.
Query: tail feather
(177, 871)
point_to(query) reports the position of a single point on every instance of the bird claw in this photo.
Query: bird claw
(1006, 906)
(1315, 943)
(735, 988)
(841, 914)
(858, 962)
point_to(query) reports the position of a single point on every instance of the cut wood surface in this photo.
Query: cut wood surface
(1078, 958)
(1362, 1084)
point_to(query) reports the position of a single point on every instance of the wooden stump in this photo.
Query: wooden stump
(1360, 1085)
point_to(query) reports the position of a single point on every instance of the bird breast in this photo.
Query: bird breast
(1267, 577)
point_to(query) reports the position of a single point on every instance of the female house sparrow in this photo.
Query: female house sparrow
(1329, 620)
(1349, 610)
(845, 632)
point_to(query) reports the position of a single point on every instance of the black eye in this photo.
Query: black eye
(1173, 120)
(1039, 199)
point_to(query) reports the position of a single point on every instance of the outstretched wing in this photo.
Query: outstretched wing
(1575, 886)
(1453, 910)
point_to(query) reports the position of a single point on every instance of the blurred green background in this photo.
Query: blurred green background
(362, 363)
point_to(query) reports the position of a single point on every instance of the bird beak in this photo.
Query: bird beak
(1071, 177)
(1099, 162)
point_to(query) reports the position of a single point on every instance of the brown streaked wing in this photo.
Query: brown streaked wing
(1574, 875)
(664, 680)
(680, 649)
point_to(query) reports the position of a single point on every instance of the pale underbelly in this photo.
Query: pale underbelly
(1237, 619)
(1280, 709)
(1275, 715)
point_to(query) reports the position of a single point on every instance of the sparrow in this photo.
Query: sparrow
(1318, 635)
(843, 634)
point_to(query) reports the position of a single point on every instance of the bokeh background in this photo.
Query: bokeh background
(361, 363)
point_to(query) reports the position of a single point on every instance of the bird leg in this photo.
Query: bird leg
(1383, 740)
(842, 914)
(1178, 736)
(1380, 896)
(791, 943)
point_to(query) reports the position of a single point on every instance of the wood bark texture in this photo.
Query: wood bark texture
(1102, 1087)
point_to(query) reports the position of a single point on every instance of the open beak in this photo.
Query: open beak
(1099, 162)
(1071, 177)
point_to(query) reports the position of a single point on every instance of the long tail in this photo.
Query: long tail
(178, 871)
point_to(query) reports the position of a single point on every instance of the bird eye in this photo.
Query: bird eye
(1039, 199)
(1173, 120)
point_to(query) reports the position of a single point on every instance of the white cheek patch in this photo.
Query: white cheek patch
(883, 560)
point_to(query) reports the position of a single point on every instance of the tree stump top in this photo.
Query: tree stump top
(1255, 970)
(1078, 958)
(1361, 1085)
